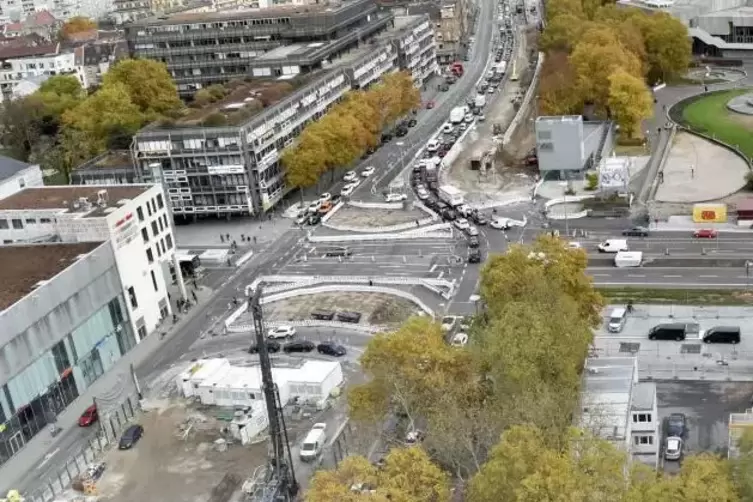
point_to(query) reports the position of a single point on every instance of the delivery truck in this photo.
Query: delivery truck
(624, 259)
(480, 101)
(457, 115)
(450, 195)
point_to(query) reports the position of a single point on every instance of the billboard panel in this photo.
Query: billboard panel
(614, 174)
(710, 213)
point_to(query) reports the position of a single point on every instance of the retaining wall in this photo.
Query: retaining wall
(530, 93)
(428, 232)
(348, 279)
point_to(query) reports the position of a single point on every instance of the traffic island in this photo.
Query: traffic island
(702, 297)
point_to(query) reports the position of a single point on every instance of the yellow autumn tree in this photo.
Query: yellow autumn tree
(630, 102)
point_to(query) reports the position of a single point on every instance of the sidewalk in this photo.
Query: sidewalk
(207, 233)
(26, 470)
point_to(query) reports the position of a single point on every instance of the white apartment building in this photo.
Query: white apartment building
(417, 47)
(18, 63)
(16, 175)
(133, 218)
(618, 408)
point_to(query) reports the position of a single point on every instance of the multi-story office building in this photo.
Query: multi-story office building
(65, 321)
(201, 49)
(133, 218)
(234, 168)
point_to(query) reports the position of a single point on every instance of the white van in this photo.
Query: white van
(432, 145)
(625, 259)
(313, 445)
(613, 246)
(617, 319)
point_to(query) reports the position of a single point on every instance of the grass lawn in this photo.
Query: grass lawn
(710, 115)
(678, 296)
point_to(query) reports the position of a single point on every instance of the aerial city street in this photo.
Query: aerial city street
(269, 252)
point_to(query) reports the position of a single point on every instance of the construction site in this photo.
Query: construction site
(488, 171)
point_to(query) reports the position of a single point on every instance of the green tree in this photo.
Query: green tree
(562, 33)
(561, 7)
(630, 101)
(149, 85)
(408, 475)
(407, 95)
(668, 46)
(558, 94)
(21, 123)
(57, 95)
(304, 161)
(77, 24)
(703, 478)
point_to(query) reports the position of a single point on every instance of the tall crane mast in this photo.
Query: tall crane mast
(280, 484)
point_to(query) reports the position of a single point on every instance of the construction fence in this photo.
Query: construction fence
(110, 426)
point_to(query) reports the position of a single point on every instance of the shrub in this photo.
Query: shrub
(202, 97)
(592, 181)
(217, 92)
(215, 120)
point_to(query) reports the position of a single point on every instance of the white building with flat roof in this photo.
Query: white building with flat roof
(134, 218)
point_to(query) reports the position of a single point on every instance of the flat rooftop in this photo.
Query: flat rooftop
(234, 15)
(108, 160)
(244, 99)
(25, 266)
(62, 197)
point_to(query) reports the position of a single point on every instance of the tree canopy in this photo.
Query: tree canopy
(149, 85)
(77, 24)
(597, 53)
(349, 129)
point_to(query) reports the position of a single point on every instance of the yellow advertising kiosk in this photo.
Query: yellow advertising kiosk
(710, 213)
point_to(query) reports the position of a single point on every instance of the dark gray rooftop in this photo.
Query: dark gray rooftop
(9, 167)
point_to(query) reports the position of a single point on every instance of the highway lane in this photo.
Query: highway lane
(656, 277)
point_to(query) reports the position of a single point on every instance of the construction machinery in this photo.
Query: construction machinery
(278, 483)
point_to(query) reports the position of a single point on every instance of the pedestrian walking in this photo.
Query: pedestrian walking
(193, 294)
(222, 238)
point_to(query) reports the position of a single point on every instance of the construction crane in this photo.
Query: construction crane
(279, 484)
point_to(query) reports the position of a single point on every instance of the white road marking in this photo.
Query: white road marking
(707, 276)
(636, 275)
(672, 276)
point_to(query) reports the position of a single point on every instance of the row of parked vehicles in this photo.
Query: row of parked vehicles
(677, 331)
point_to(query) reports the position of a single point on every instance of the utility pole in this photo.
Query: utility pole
(280, 483)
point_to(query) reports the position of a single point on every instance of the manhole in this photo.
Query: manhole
(630, 347)
(690, 348)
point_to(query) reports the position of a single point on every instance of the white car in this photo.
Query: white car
(463, 126)
(281, 332)
(422, 194)
(461, 224)
(350, 176)
(368, 171)
(481, 117)
(447, 129)
(395, 197)
(347, 190)
(673, 448)
(325, 197)
(432, 145)
(464, 209)
(355, 182)
(448, 322)
(459, 340)
(315, 206)
(469, 118)
(574, 245)
(471, 231)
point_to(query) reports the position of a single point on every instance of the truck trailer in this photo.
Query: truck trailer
(450, 195)
(457, 115)
(480, 101)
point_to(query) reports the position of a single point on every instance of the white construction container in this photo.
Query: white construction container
(203, 369)
(314, 381)
(625, 259)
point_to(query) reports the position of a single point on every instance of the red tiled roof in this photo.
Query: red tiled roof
(10, 51)
(41, 18)
(83, 36)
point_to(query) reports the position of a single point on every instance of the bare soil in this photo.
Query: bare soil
(376, 308)
(368, 218)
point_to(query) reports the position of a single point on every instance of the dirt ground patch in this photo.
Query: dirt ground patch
(375, 308)
(361, 217)
(165, 467)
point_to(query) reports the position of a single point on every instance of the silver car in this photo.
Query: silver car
(673, 448)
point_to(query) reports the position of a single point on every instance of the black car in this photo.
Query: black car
(417, 168)
(338, 252)
(412, 123)
(331, 349)
(473, 242)
(299, 346)
(272, 347)
(474, 255)
(479, 218)
(636, 232)
(130, 437)
(676, 425)
(314, 219)
(401, 131)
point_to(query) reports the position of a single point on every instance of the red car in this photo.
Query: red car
(89, 416)
(705, 233)
(429, 105)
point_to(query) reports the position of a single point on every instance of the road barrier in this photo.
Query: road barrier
(526, 103)
(347, 279)
(378, 237)
(313, 323)
(376, 205)
(384, 229)
(332, 211)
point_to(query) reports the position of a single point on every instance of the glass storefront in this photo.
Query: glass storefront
(34, 397)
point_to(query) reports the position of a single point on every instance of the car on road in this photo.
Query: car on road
(368, 171)
(473, 242)
(673, 448)
(574, 245)
(272, 347)
(474, 256)
(130, 437)
(412, 122)
(331, 349)
(459, 340)
(314, 206)
(491, 90)
(481, 117)
(461, 224)
(89, 416)
(501, 223)
(350, 176)
(705, 233)
(479, 218)
(471, 231)
(449, 322)
(677, 425)
(299, 346)
(448, 214)
(347, 191)
(635, 232)
(325, 197)
(281, 332)
(335, 252)
(429, 105)
(422, 193)
(314, 219)
(395, 197)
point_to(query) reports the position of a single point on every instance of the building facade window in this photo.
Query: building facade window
(169, 241)
(149, 255)
(4, 224)
(643, 440)
(132, 298)
(154, 281)
(641, 417)
(155, 230)
(140, 213)
(17, 223)
(145, 235)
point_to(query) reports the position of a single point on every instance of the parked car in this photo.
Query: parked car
(272, 347)
(474, 256)
(325, 197)
(315, 206)
(331, 349)
(314, 219)
(347, 191)
(459, 340)
(368, 171)
(461, 224)
(471, 231)
(705, 233)
(299, 346)
(429, 105)
(677, 425)
(673, 448)
(449, 322)
(473, 242)
(395, 197)
(281, 332)
(500, 223)
(89, 416)
(635, 232)
(479, 218)
(350, 176)
(130, 437)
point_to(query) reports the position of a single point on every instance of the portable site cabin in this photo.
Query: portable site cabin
(314, 381)
(190, 380)
(239, 387)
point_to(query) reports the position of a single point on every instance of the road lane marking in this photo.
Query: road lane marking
(672, 276)
(601, 275)
(707, 276)
(636, 275)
